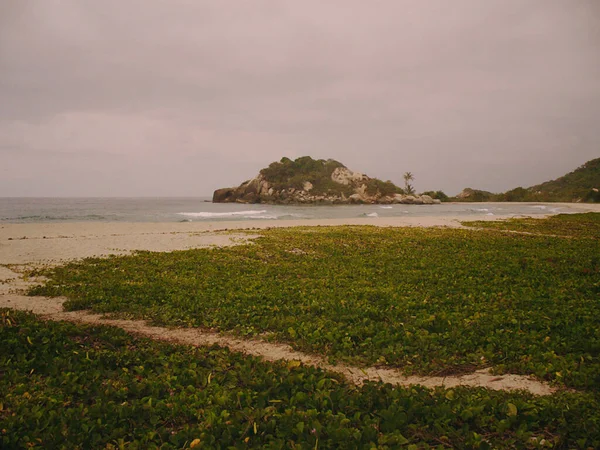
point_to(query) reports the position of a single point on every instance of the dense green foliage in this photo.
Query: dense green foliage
(428, 300)
(439, 195)
(583, 184)
(475, 195)
(68, 386)
(287, 174)
(574, 225)
(384, 188)
(576, 185)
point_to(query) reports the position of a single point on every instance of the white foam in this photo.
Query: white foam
(386, 207)
(226, 214)
(490, 214)
(539, 207)
(373, 215)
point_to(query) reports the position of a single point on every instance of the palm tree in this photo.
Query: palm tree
(408, 177)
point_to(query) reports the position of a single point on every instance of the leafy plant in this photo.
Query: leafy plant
(430, 301)
(578, 226)
(69, 386)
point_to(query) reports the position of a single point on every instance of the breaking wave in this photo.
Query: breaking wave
(209, 215)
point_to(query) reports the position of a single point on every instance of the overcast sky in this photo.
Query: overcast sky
(180, 97)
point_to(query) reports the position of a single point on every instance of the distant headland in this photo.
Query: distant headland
(580, 186)
(319, 181)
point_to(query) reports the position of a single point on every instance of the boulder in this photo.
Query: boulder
(345, 176)
(356, 198)
(427, 200)
(397, 198)
(250, 197)
(223, 195)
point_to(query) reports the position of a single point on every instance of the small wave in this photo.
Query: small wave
(490, 214)
(479, 209)
(371, 215)
(294, 216)
(555, 210)
(538, 207)
(207, 215)
(386, 207)
(48, 218)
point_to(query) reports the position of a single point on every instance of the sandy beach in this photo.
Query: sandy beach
(51, 243)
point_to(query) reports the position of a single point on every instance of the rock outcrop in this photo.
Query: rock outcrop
(309, 181)
(474, 195)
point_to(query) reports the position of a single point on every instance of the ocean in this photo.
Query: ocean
(189, 209)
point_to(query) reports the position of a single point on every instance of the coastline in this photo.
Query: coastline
(54, 242)
(25, 246)
(48, 243)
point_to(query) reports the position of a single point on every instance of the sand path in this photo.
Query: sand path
(23, 246)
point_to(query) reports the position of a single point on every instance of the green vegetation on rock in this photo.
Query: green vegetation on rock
(314, 181)
(431, 301)
(581, 185)
(72, 387)
(438, 195)
(289, 173)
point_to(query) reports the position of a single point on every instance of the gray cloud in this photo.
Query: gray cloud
(179, 97)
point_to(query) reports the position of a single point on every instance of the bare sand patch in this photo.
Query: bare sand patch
(23, 244)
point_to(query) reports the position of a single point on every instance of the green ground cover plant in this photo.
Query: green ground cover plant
(72, 386)
(579, 226)
(430, 301)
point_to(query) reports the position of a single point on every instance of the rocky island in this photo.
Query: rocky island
(317, 181)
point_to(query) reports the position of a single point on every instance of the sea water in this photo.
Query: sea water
(31, 210)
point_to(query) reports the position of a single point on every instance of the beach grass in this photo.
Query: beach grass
(72, 386)
(429, 301)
